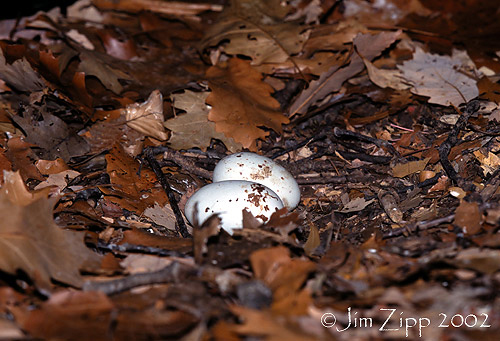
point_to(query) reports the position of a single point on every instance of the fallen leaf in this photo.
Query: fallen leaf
(468, 217)
(311, 12)
(489, 164)
(367, 45)
(161, 215)
(130, 190)
(256, 29)
(489, 90)
(20, 75)
(47, 167)
(144, 263)
(241, 103)
(279, 271)
(147, 117)
(266, 324)
(201, 234)
(404, 169)
(383, 78)
(59, 180)
(140, 237)
(93, 65)
(193, 129)
(75, 315)
(358, 204)
(52, 135)
(169, 8)
(124, 49)
(483, 260)
(32, 242)
(445, 80)
(313, 240)
(21, 156)
(5, 164)
(80, 39)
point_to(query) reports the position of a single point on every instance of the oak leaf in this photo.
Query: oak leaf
(256, 29)
(242, 103)
(193, 129)
(131, 190)
(92, 64)
(32, 242)
(20, 75)
(52, 135)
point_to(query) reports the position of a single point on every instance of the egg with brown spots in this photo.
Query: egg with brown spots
(263, 170)
(228, 199)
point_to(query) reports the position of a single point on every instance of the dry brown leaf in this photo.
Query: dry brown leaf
(141, 237)
(163, 7)
(52, 135)
(201, 234)
(404, 169)
(5, 164)
(92, 64)
(313, 240)
(489, 164)
(161, 215)
(385, 78)
(71, 315)
(279, 271)
(355, 205)
(387, 13)
(256, 29)
(489, 90)
(20, 75)
(193, 129)
(241, 103)
(147, 117)
(367, 45)
(264, 323)
(131, 191)
(22, 157)
(32, 242)
(47, 167)
(483, 260)
(468, 217)
(58, 181)
(446, 80)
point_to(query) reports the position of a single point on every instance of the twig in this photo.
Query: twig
(424, 225)
(322, 180)
(338, 132)
(170, 273)
(421, 225)
(298, 145)
(365, 157)
(445, 147)
(187, 164)
(181, 225)
(132, 248)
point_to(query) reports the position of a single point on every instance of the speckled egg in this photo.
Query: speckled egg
(260, 169)
(228, 199)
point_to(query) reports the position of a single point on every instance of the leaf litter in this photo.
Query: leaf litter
(385, 112)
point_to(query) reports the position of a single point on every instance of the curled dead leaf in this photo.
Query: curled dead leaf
(147, 117)
(242, 103)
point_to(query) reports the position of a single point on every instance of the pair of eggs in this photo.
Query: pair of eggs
(244, 181)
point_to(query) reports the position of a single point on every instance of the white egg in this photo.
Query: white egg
(228, 199)
(260, 169)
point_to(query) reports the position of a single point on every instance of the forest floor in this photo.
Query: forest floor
(113, 113)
